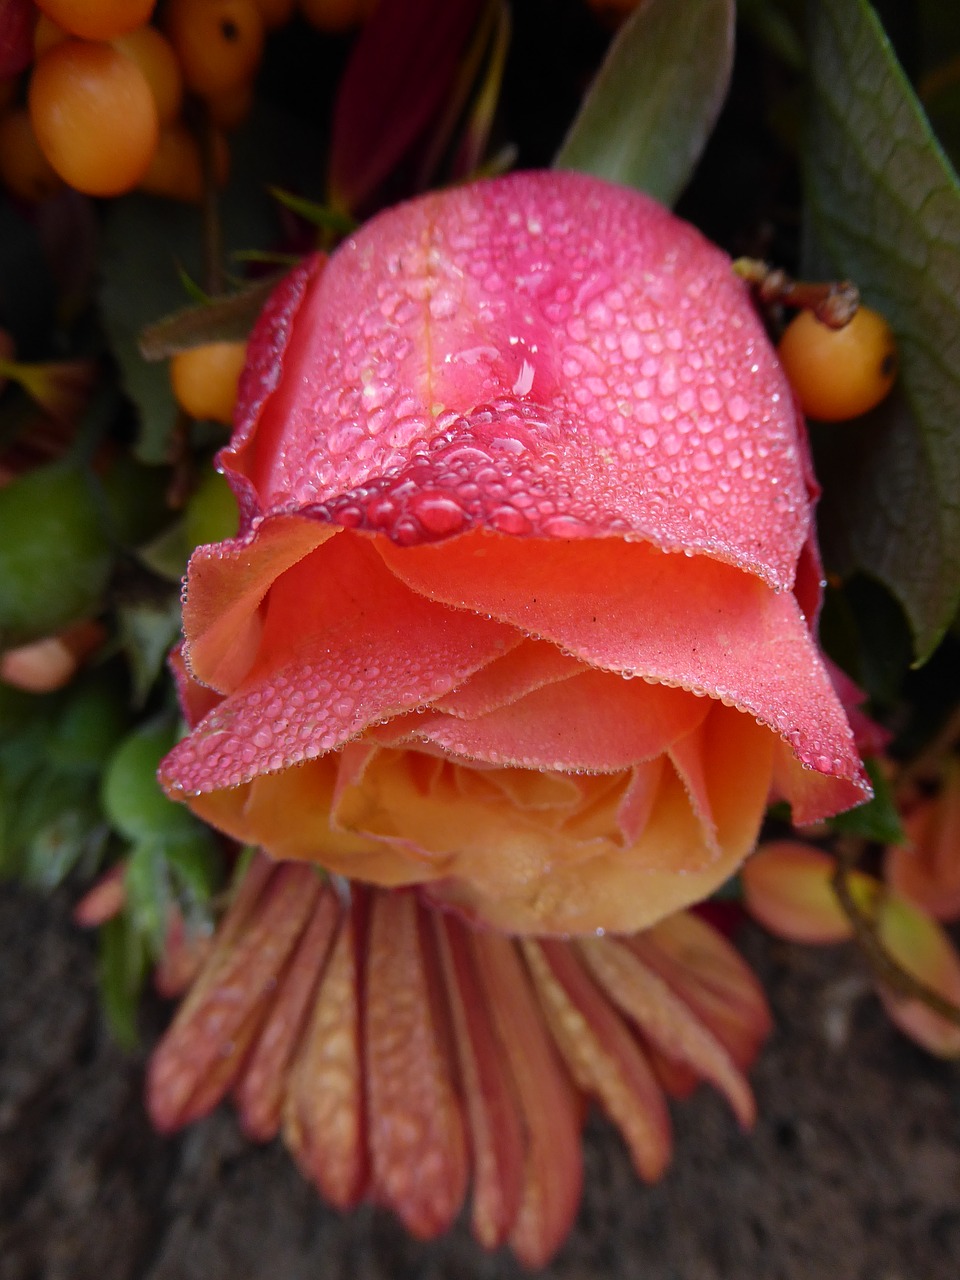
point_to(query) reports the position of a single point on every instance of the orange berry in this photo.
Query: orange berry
(24, 169)
(46, 34)
(98, 19)
(839, 373)
(153, 53)
(219, 42)
(335, 15)
(275, 13)
(94, 116)
(175, 170)
(205, 379)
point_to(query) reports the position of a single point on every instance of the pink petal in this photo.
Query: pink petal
(343, 643)
(541, 353)
(203, 1051)
(594, 720)
(531, 665)
(709, 975)
(682, 621)
(226, 583)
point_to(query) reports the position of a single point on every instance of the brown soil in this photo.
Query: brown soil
(852, 1173)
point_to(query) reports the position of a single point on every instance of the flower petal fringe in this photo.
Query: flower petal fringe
(403, 1053)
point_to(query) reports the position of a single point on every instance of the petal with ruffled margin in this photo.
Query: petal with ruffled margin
(545, 328)
(688, 621)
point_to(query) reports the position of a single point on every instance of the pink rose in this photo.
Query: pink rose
(520, 610)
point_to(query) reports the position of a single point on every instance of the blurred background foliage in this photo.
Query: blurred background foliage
(821, 137)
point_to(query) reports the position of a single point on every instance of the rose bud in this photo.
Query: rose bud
(521, 608)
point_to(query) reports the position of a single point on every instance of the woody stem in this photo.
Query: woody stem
(833, 302)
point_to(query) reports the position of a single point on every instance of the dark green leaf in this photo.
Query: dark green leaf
(147, 884)
(876, 820)
(167, 554)
(148, 630)
(195, 868)
(225, 319)
(122, 969)
(885, 205)
(324, 216)
(131, 795)
(92, 722)
(654, 101)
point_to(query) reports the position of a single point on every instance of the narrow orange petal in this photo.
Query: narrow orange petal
(323, 1119)
(707, 973)
(201, 1053)
(417, 1140)
(666, 1021)
(261, 1089)
(496, 1128)
(553, 1175)
(602, 1054)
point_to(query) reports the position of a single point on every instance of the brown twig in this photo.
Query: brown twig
(834, 302)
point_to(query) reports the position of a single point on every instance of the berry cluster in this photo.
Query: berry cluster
(106, 91)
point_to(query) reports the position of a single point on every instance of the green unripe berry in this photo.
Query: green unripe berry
(132, 797)
(55, 556)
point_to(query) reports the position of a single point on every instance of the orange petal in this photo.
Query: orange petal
(666, 1021)
(260, 1091)
(603, 1056)
(554, 1166)
(923, 949)
(496, 1129)
(709, 975)
(417, 1141)
(324, 1122)
(202, 1052)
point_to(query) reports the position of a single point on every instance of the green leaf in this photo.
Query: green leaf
(225, 319)
(324, 216)
(654, 101)
(146, 880)
(148, 630)
(122, 967)
(885, 205)
(878, 819)
(131, 795)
